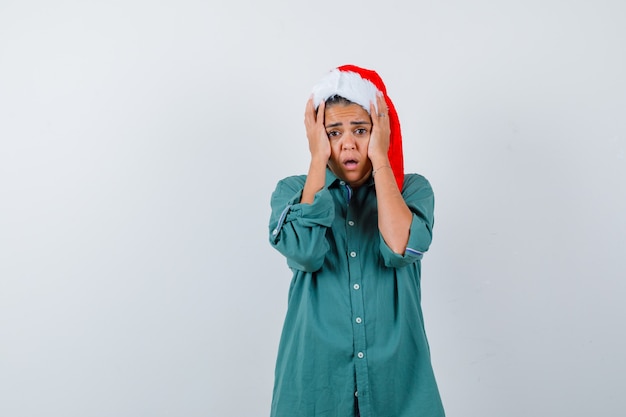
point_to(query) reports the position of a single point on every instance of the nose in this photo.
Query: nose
(349, 142)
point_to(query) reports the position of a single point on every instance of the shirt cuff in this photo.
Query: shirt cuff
(420, 237)
(321, 212)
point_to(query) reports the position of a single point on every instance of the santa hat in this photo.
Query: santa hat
(360, 86)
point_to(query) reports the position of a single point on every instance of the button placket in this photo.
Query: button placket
(353, 238)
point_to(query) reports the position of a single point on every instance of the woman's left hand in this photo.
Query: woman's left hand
(379, 139)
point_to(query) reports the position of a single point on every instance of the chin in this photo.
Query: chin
(354, 177)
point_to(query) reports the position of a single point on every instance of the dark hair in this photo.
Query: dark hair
(336, 99)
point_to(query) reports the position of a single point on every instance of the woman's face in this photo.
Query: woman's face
(348, 127)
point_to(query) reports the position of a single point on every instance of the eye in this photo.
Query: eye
(360, 131)
(333, 134)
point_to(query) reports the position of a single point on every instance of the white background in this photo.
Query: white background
(140, 142)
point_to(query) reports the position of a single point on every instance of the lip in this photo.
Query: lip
(350, 163)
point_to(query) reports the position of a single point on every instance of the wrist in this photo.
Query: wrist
(380, 161)
(382, 167)
(319, 161)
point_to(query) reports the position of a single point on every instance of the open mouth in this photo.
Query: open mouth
(350, 163)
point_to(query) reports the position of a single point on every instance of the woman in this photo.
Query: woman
(353, 230)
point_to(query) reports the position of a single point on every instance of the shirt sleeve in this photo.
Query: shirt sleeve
(298, 231)
(418, 196)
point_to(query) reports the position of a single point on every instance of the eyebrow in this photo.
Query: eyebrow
(352, 123)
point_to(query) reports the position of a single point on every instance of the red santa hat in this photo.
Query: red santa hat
(360, 86)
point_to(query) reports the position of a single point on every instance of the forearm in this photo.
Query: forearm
(394, 217)
(315, 180)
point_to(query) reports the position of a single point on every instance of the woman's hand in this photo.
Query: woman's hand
(378, 147)
(320, 150)
(319, 145)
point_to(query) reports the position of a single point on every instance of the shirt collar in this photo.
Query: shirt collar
(333, 180)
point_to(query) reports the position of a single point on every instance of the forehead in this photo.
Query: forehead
(345, 112)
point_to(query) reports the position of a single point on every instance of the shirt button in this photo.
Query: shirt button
(356, 393)
(351, 223)
(358, 320)
(342, 182)
(353, 254)
(360, 355)
(356, 286)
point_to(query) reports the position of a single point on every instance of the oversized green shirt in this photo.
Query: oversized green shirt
(354, 324)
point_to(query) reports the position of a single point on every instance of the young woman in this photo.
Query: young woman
(353, 231)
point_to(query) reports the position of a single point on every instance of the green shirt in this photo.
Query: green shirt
(354, 325)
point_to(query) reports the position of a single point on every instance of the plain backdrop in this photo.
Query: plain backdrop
(140, 142)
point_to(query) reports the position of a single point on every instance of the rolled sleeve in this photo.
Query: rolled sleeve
(298, 230)
(419, 198)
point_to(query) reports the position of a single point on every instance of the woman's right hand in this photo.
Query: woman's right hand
(319, 145)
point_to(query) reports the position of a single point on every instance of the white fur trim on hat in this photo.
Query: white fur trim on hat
(346, 84)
